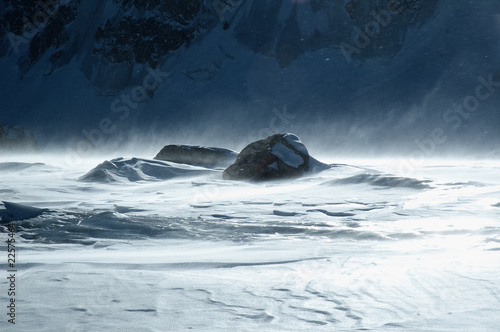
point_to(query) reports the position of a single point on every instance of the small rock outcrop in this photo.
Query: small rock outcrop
(16, 138)
(197, 155)
(279, 156)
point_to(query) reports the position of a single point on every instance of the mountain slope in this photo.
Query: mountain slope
(360, 73)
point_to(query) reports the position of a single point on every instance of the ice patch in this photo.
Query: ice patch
(273, 166)
(287, 155)
(284, 213)
(332, 214)
(295, 141)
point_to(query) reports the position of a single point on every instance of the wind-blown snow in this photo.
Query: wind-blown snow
(358, 246)
(136, 169)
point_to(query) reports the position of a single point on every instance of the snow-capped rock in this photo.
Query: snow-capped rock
(276, 157)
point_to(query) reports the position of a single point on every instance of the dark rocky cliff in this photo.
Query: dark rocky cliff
(113, 37)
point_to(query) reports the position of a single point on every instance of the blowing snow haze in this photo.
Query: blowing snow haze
(234, 224)
(384, 76)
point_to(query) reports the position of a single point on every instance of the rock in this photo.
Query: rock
(197, 155)
(279, 156)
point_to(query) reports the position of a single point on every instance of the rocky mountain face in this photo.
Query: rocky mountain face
(110, 38)
(363, 71)
(288, 29)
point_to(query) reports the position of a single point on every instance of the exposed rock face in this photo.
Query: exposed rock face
(39, 28)
(316, 24)
(147, 39)
(114, 36)
(111, 37)
(279, 156)
(196, 155)
(16, 138)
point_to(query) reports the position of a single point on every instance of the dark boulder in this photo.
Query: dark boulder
(279, 156)
(197, 155)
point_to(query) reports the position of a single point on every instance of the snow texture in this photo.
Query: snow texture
(14, 212)
(360, 246)
(136, 169)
